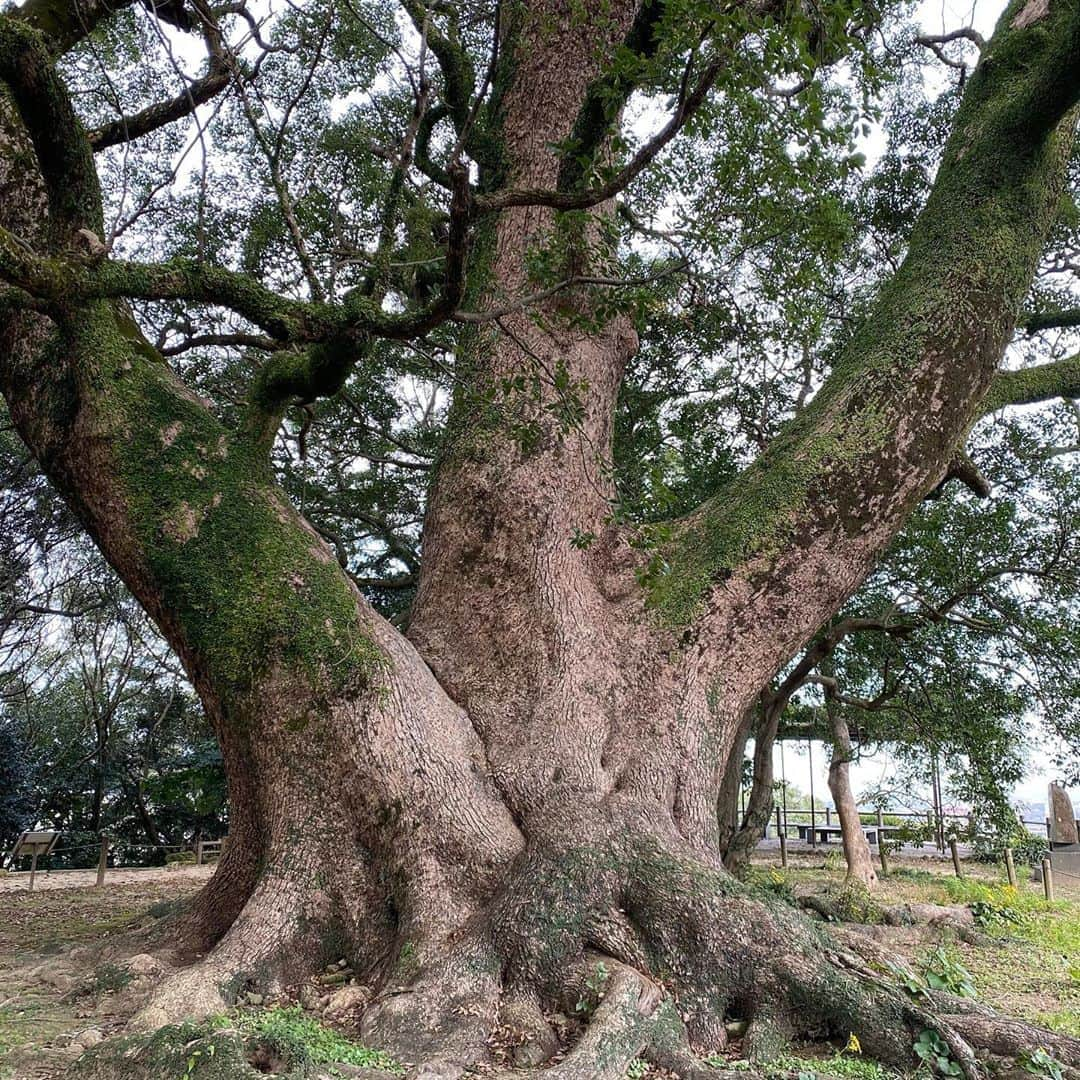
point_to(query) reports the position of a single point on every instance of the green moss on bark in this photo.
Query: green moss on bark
(932, 342)
(246, 583)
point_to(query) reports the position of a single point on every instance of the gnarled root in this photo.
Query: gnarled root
(295, 921)
(652, 946)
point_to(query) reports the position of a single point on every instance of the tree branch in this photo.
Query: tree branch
(64, 155)
(828, 494)
(688, 104)
(156, 116)
(1029, 386)
(63, 25)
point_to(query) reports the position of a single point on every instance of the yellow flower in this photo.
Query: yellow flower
(853, 1046)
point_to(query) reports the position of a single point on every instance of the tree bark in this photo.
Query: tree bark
(860, 862)
(759, 805)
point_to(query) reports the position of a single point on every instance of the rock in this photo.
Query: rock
(354, 1072)
(931, 914)
(310, 998)
(144, 964)
(255, 999)
(58, 980)
(85, 1039)
(149, 1019)
(531, 1053)
(1062, 816)
(436, 1070)
(347, 1001)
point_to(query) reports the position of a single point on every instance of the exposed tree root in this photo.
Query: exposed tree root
(289, 927)
(657, 948)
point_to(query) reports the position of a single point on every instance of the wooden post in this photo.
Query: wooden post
(1010, 867)
(883, 852)
(813, 809)
(33, 868)
(198, 852)
(103, 859)
(955, 856)
(828, 815)
(1048, 879)
(783, 850)
(779, 827)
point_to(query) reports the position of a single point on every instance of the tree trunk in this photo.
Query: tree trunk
(727, 809)
(860, 862)
(759, 805)
(481, 816)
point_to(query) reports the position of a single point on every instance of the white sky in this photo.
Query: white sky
(879, 770)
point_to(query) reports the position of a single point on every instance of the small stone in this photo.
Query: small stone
(85, 1039)
(436, 1070)
(255, 999)
(58, 980)
(309, 997)
(149, 1019)
(347, 1001)
(144, 964)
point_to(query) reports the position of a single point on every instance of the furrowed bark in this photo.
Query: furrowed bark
(860, 864)
(759, 805)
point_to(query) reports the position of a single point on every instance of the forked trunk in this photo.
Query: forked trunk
(517, 805)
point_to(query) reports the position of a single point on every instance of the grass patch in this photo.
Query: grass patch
(1065, 1021)
(847, 1066)
(302, 1040)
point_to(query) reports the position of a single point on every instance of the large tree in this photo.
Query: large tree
(525, 784)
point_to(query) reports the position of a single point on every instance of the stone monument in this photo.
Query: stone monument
(1062, 817)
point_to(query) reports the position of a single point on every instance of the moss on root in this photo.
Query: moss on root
(186, 1052)
(282, 1041)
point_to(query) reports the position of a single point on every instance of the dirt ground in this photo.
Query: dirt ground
(76, 961)
(63, 955)
(84, 879)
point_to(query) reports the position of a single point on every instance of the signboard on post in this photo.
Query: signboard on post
(36, 843)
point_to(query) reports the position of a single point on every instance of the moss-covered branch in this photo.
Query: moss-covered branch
(459, 77)
(1028, 386)
(162, 113)
(606, 97)
(63, 281)
(1052, 320)
(830, 492)
(63, 153)
(63, 23)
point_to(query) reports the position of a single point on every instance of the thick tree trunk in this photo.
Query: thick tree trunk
(476, 816)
